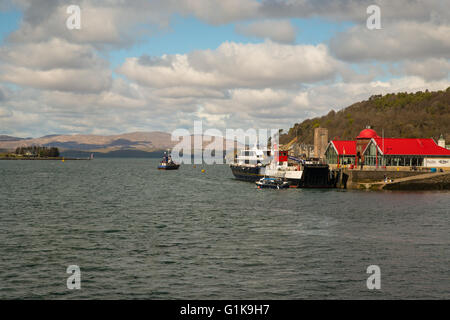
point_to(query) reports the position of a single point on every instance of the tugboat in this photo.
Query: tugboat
(272, 183)
(167, 163)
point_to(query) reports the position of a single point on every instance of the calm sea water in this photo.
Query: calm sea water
(137, 232)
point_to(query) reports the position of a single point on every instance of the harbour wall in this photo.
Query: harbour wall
(432, 181)
(401, 180)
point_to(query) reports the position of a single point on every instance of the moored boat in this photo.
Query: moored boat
(250, 164)
(272, 183)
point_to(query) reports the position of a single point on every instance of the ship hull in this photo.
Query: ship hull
(247, 173)
(169, 167)
(312, 176)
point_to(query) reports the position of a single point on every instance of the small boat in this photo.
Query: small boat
(272, 183)
(167, 163)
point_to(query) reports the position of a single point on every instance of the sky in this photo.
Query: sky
(160, 65)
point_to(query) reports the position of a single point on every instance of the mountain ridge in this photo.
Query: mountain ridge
(143, 141)
(133, 142)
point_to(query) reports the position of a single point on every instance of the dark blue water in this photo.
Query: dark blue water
(137, 232)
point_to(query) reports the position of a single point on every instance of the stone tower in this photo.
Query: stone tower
(320, 142)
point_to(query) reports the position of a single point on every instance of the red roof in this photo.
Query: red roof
(424, 147)
(367, 134)
(345, 147)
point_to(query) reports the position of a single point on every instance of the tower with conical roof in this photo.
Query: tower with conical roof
(362, 140)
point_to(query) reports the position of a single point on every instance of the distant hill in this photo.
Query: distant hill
(143, 141)
(9, 138)
(113, 154)
(136, 144)
(402, 115)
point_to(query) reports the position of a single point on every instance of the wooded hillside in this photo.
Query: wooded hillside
(402, 115)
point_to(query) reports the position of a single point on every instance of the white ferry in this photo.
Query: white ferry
(254, 164)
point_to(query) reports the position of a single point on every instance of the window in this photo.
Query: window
(331, 156)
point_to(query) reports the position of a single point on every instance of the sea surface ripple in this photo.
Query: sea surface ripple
(140, 233)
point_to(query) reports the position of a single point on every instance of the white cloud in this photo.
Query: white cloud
(54, 65)
(339, 95)
(115, 22)
(83, 80)
(189, 92)
(235, 65)
(219, 11)
(54, 53)
(63, 82)
(276, 30)
(171, 71)
(104, 23)
(5, 113)
(118, 23)
(397, 41)
(3, 94)
(351, 10)
(128, 107)
(430, 69)
(281, 108)
(266, 64)
(259, 105)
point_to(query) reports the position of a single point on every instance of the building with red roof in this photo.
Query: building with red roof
(342, 152)
(369, 149)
